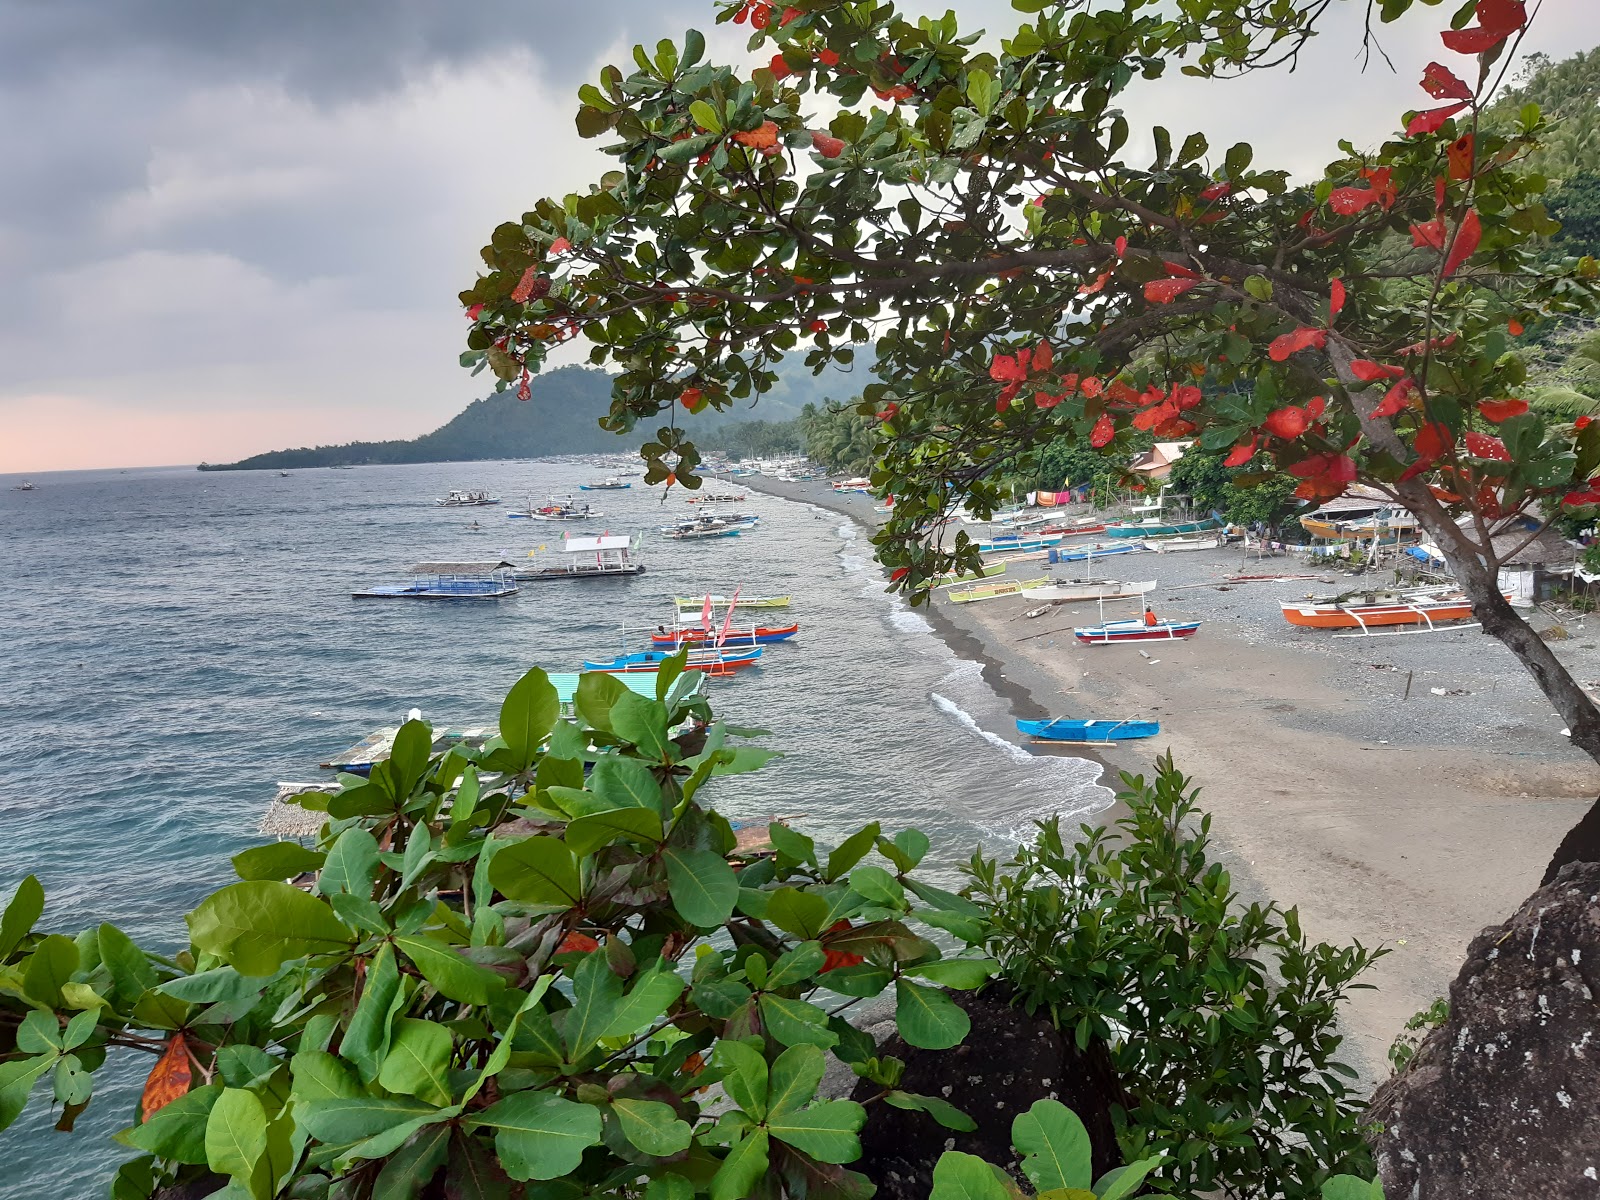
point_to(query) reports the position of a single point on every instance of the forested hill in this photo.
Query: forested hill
(559, 419)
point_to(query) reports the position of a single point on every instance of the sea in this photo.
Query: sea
(177, 642)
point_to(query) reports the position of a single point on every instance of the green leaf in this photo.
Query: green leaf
(942, 1111)
(596, 991)
(131, 973)
(22, 912)
(651, 1127)
(626, 783)
(177, 1130)
(744, 1167)
(1054, 1146)
(651, 996)
(878, 886)
(1351, 1187)
(17, 1078)
(73, 1084)
(537, 870)
(802, 914)
(361, 1118)
(794, 1078)
(366, 1042)
(597, 693)
(539, 1135)
(451, 974)
(259, 925)
(927, 1017)
(319, 1075)
(703, 886)
(706, 116)
(744, 1076)
(958, 1176)
(826, 1131)
(796, 1023)
(418, 1061)
(39, 1033)
(587, 834)
(959, 973)
(279, 860)
(790, 844)
(694, 48)
(530, 711)
(851, 851)
(1126, 1181)
(223, 985)
(640, 721)
(414, 1165)
(796, 965)
(236, 1133)
(49, 966)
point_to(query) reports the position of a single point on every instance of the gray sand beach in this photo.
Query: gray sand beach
(1411, 820)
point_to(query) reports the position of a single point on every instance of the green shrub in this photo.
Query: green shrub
(1220, 1020)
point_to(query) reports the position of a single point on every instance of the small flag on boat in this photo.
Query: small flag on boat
(705, 615)
(727, 622)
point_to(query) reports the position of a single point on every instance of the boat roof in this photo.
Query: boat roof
(588, 545)
(485, 566)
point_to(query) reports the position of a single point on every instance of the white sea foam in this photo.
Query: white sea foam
(909, 621)
(849, 532)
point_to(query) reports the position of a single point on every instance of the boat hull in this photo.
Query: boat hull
(1067, 593)
(760, 637)
(1166, 631)
(993, 591)
(1144, 531)
(650, 661)
(695, 602)
(1333, 616)
(1089, 731)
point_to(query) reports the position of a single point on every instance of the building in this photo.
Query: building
(1157, 462)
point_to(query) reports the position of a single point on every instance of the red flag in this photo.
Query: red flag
(727, 621)
(705, 615)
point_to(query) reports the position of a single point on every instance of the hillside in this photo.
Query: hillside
(560, 418)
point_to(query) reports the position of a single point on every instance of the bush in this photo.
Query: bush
(522, 964)
(1219, 1022)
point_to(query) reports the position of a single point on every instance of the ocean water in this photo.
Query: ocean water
(174, 643)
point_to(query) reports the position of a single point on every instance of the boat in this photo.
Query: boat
(1062, 730)
(556, 510)
(1076, 530)
(481, 580)
(1003, 543)
(987, 571)
(1000, 587)
(606, 557)
(1094, 551)
(283, 474)
(1185, 543)
(1423, 606)
(697, 603)
(1360, 514)
(1135, 631)
(718, 498)
(612, 484)
(753, 635)
(1156, 527)
(1070, 591)
(458, 499)
(649, 661)
(695, 530)
(25, 486)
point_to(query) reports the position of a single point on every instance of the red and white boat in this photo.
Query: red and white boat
(1424, 607)
(1135, 631)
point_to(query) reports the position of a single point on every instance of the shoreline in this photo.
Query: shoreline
(1342, 779)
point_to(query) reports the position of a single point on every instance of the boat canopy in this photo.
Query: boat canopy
(486, 566)
(592, 545)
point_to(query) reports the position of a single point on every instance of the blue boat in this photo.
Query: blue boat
(1089, 731)
(449, 581)
(699, 660)
(1156, 527)
(605, 485)
(1021, 543)
(1090, 553)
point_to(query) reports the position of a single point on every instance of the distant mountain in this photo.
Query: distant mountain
(560, 418)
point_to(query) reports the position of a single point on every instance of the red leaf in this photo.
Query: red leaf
(577, 943)
(1395, 399)
(899, 573)
(1174, 428)
(1121, 394)
(1582, 423)
(1120, 246)
(1429, 233)
(1473, 41)
(1007, 395)
(1158, 414)
(1514, 327)
(1336, 299)
(1461, 158)
(1186, 397)
(1347, 201)
(1179, 271)
(1495, 411)
(168, 1079)
(1440, 82)
(528, 285)
(1288, 422)
(789, 14)
(1216, 191)
(828, 147)
(1431, 119)
(474, 312)
(778, 67)
(690, 398)
(1483, 445)
(1046, 400)
(1165, 291)
(560, 246)
(1502, 15)
(889, 412)
(1433, 440)
(1465, 244)
(1343, 468)
(1324, 487)
(1580, 499)
(1292, 343)
(1310, 468)
(1370, 372)
(1241, 454)
(1104, 430)
(1439, 187)
(1090, 289)
(827, 57)
(1006, 366)
(1043, 356)
(1315, 407)
(1090, 386)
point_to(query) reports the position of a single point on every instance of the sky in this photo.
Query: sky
(228, 228)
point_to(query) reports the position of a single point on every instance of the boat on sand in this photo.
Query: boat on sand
(1063, 730)
(1135, 631)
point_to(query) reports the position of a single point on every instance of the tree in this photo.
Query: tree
(972, 213)
(1245, 494)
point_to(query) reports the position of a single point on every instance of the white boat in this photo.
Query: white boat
(1070, 591)
(467, 499)
(605, 557)
(1163, 545)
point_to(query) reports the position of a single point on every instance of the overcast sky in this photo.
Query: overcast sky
(230, 227)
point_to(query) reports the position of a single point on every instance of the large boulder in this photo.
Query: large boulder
(1005, 1063)
(1503, 1099)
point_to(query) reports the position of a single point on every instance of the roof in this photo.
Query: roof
(582, 545)
(474, 567)
(1549, 549)
(1162, 454)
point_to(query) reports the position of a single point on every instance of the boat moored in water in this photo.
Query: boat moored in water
(750, 635)
(468, 499)
(481, 580)
(611, 484)
(606, 557)
(711, 660)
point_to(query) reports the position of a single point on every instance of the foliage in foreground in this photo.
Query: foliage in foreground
(1220, 1023)
(520, 965)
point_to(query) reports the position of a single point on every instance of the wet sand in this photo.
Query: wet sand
(1409, 822)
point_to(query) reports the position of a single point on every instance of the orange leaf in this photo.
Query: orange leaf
(1293, 343)
(1431, 119)
(763, 137)
(577, 943)
(1466, 242)
(1165, 291)
(1104, 430)
(1288, 422)
(1241, 454)
(1461, 158)
(1336, 298)
(1495, 411)
(1347, 201)
(168, 1079)
(1370, 372)
(828, 147)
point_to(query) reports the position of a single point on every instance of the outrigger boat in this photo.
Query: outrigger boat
(710, 659)
(466, 500)
(1061, 730)
(987, 571)
(695, 603)
(613, 484)
(1076, 530)
(717, 498)
(449, 581)
(1421, 606)
(1092, 552)
(1004, 543)
(1135, 631)
(605, 557)
(1156, 527)
(755, 635)
(992, 591)
(1071, 591)
(556, 510)
(1165, 545)
(690, 531)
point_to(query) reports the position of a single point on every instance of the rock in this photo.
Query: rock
(1006, 1062)
(1503, 1099)
(1582, 844)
